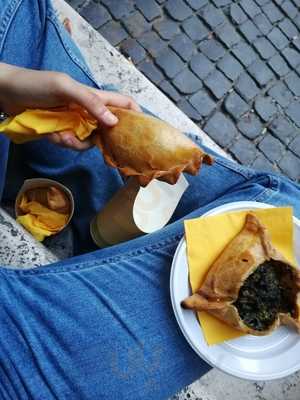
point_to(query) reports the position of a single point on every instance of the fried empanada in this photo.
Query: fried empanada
(148, 148)
(250, 286)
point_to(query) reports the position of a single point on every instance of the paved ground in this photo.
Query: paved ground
(232, 66)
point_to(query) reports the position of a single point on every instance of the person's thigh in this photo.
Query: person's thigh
(101, 325)
(93, 331)
(31, 36)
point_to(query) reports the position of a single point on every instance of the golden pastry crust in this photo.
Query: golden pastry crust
(148, 148)
(240, 258)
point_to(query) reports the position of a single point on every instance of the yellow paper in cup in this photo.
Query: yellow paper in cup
(207, 237)
(39, 220)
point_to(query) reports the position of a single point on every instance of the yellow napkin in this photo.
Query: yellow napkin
(207, 237)
(39, 220)
(30, 124)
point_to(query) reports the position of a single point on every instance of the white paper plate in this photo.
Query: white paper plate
(249, 357)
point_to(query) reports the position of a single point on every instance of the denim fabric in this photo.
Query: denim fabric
(100, 325)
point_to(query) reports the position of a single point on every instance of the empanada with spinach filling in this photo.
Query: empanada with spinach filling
(250, 286)
(146, 147)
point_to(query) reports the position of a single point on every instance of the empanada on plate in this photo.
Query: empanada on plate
(148, 148)
(250, 286)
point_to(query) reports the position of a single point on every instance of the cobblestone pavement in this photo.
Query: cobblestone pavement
(233, 66)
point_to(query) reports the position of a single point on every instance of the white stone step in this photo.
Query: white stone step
(18, 249)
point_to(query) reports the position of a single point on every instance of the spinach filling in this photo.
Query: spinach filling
(268, 291)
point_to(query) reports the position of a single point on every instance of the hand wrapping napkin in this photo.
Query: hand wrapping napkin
(207, 237)
(138, 145)
(31, 124)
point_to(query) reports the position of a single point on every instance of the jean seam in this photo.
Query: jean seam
(92, 264)
(7, 20)
(260, 196)
(268, 192)
(233, 166)
(52, 17)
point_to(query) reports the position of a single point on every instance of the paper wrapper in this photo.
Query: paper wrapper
(40, 183)
(134, 211)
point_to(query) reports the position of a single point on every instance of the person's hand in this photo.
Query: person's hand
(24, 88)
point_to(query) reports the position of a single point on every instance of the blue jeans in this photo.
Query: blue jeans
(100, 325)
